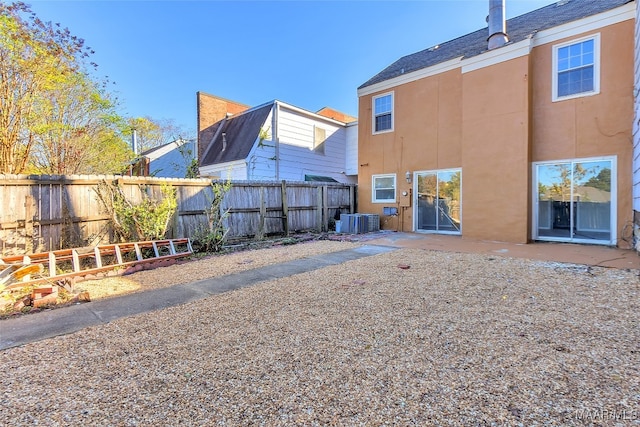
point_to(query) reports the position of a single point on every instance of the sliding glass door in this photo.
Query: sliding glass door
(575, 201)
(437, 201)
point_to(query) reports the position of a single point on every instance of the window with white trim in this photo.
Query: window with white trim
(383, 113)
(576, 68)
(383, 188)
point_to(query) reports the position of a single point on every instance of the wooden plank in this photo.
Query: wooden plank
(28, 223)
(76, 261)
(352, 199)
(325, 208)
(319, 211)
(285, 208)
(98, 256)
(118, 254)
(52, 264)
(263, 214)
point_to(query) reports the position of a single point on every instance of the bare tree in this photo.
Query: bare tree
(152, 133)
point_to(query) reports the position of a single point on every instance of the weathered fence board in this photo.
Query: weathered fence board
(43, 213)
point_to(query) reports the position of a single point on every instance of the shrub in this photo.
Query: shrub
(212, 236)
(147, 220)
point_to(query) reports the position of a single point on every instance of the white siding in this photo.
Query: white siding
(351, 159)
(295, 133)
(231, 170)
(297, 156)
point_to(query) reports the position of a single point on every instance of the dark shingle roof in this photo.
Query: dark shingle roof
(518, 29)
(240, 131)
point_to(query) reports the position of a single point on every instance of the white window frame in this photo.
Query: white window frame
(596, 68)
(373, 113)
(416, 205)
(373, 188)
(614, 201)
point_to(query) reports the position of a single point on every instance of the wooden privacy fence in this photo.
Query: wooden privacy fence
(44, 213)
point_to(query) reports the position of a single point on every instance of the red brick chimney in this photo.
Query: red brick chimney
(212, 109)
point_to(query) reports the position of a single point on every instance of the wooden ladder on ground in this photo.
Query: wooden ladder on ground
(17, 271)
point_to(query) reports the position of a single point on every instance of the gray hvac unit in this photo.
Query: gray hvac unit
(359, 223)
(353, 223)
(373, 222)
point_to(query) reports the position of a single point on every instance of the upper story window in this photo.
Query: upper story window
(384, 188)
(383, 113)
(576, 68)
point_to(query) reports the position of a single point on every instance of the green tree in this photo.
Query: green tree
(602, 181)
(78, 126)
(35, 58)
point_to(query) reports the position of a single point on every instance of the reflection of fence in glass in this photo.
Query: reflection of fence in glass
(593, 216)
(445, 211)
(545, 214)
(588, 216)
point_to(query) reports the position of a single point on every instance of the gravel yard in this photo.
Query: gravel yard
(210, 266)
(456, 339)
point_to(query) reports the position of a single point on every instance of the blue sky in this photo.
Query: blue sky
(310, 54)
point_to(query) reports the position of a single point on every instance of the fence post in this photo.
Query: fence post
(285, 208)
(263, 214)
(28, 224)
(319, 210)
(352, 199)
(175, 221)
(325, 208)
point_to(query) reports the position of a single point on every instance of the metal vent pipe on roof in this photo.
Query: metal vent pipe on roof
(134, 141)
(497, 24)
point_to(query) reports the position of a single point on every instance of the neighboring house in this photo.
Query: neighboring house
(169, 160)
(275, 141)
(495, 135)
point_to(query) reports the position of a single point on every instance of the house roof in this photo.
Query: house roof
(240, 133)
(169, 160)
(518, 29)
(318, 178)
(158, 151)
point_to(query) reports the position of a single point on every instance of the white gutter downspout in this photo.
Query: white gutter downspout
(274, 137)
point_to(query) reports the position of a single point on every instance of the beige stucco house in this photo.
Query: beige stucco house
(517, 132)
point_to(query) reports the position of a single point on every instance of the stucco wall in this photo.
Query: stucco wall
(495, 152)
(590, 126)
(427, 136)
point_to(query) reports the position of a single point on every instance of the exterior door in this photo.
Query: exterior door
(437, 201)
(575, 201)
